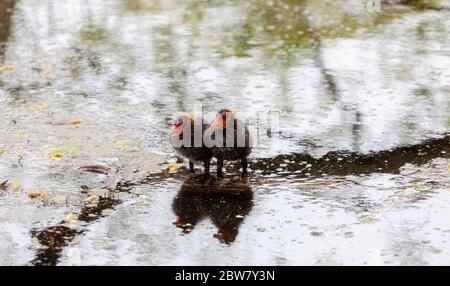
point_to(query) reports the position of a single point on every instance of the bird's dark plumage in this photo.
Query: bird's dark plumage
(236, 140)
(191, 152)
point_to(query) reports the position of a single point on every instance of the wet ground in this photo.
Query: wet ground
(358, 172)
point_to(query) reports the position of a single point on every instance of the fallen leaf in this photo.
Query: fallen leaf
(368, 219)
(422, 187)
(140, 206)
(34, 195)
(69, 217)
(123, 143)
(448, 166)
(66, 148)
(38, 106)
(433, 249)
(56, 155)
(173, 166)
(15, 186)
(3, 151)
(7, 68)
(75, 121)
(90, 199)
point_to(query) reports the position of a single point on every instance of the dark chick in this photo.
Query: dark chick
(232, 140)
(191, 147)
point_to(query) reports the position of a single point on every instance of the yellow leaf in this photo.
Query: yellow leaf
(15, 186)
(65, 148)
(173, 166)
(34, 195)
(140, 206)
(56, 155)
(38, 106)
(122, 143)
(448, 166)
(368, 219)
(7, 68)
(422, 187)
(69, 217)
(74, 121)
(91, 199)
(433, 249)
(3, 151)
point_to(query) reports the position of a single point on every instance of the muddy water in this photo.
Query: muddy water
(98, 82)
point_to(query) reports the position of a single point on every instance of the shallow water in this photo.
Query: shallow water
(99, 82)
(388, 219)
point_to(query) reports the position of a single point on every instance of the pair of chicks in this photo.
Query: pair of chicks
(226, 138)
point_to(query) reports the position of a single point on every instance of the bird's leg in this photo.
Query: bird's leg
(244, 167)
(206, 174)
(206, 164)
(191, 167)
(219, 168)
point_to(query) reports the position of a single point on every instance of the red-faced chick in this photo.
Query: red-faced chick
(232, 140)
(187, 140)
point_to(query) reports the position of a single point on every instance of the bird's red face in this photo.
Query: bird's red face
(177, 127)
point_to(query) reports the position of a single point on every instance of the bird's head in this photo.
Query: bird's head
(182, 123)
(224, 118)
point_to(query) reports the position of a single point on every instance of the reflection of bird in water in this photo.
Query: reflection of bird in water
(225, 202)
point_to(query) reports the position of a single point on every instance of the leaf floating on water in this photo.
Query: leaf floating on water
(35, 195)
(97, 168)
(75, 121)
(140, 206)
(66, 148)
(7, 68)
(433, 249)
(123, 143)
(368, 219)
(38, 106)
(422, 187)
(70, 217)
(15, 186)
(173, 166)
(56, 155)
(91, 199)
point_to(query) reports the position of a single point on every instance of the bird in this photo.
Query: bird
(191, 147)
(232, 140)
